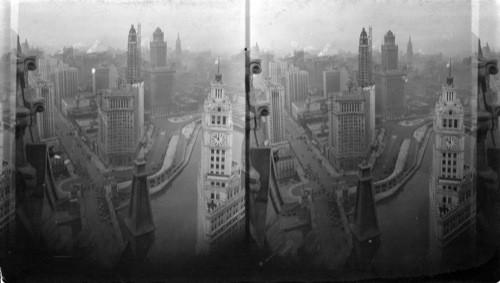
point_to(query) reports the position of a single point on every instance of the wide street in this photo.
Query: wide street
(318, 175)
(75, 149)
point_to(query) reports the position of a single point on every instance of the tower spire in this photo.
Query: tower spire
(449, 80)
(449, 69)
(218, 76)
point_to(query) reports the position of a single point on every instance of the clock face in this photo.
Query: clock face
(218, 139)
(450, 142)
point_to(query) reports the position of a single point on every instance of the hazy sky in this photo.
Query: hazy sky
(281, 25)
(214, 24)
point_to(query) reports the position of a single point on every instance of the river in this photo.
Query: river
(174, 212)
(404, 225)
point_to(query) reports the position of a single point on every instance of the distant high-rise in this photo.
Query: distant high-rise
(158, 49)
(100, 79)
(117, 138)
(266, 59)
(334, 80)
(389, 52)
(159, 90)
(278, 69)
(46, 67)
(390, 81)
(349, 123)
(276, 120)
(452, 194)
(45, 120)
(178, 52)
(65, 83)
(409, 50)
(133, 57)
(296, 87)
(89, 61)
(139, 50)
(364, 61)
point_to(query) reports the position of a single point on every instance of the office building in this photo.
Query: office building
(159, 90)
(178, 53)
(296, 87)
(158, 49)
(45, 120)
(350, 134)
(65, 83)
(46, 67)
(390, 81)
(133, 57)
(275, 122)
(364, 77)
(117, 138)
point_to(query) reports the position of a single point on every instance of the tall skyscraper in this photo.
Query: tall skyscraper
(158, 78)
(296, 87)
(65, 83)
(409, 51)
(178, 53)
(139, 50)
(117, 133)
(221, 197)
(159, 90)
(389, 52)
(88, 62)
(133, 57)
(452, 194)
(390, 81)
(158, 49)
(46, 67)
(350, 134)
(45, 89)
(266, 59)
(364, 61)
(100, 79)
(334, 80)
(276, 120)
(278, 69)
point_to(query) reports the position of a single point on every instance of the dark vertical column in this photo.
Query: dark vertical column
(140, 216)
(365, 224)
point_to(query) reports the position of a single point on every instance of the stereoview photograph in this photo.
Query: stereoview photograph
(249, 140)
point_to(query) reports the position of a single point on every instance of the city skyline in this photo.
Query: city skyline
(447, 25)
(326, 26)
(344, 147)
(219, 27)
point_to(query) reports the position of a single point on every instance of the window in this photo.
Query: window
(224, 120)
(456, 123)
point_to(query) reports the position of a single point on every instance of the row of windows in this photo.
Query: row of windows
(450, 123)
(218, 151)
(218, 120)
(216, 166)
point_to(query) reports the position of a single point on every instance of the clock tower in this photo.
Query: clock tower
(221, 198)
(451, 191)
